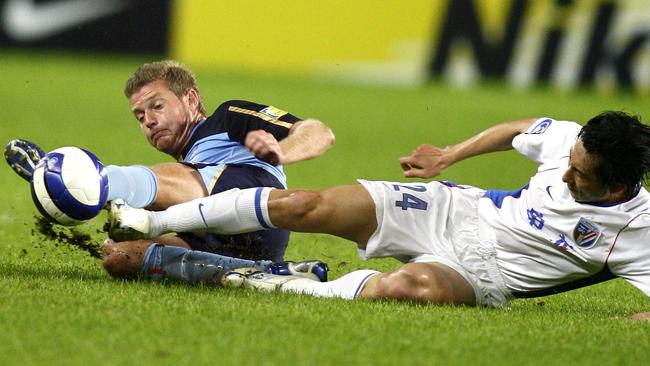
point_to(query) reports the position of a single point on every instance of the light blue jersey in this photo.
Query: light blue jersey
(218, 140)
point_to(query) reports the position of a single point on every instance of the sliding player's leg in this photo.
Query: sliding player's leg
(124, 259)
(429, 283)
(172, 258)
(417, 222)
(345, 211)
(156, 187)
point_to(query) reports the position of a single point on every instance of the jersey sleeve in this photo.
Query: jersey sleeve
(630, 255)
(547, 139)
(241, 117)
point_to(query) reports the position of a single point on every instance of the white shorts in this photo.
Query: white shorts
(437, 222)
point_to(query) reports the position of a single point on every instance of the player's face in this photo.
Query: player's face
(581, 178)
(165, 119)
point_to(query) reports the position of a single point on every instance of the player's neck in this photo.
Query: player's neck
(617, 197)
(187, 134)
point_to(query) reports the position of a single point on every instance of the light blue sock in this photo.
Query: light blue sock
(191, 266)
(135, 184)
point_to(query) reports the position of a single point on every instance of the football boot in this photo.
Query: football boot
(23, 156)
(257, 280)
(312, 269)
(127, 223)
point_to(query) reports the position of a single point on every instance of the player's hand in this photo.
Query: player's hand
(265, 147)
(426, 161)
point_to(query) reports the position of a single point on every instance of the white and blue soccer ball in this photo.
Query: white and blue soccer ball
(69, 186)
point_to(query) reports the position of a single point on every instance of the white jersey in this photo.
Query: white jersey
(547, 242)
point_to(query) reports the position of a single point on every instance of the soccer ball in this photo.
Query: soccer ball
(69, 186)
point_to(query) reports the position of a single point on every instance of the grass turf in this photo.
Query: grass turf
(57, 306)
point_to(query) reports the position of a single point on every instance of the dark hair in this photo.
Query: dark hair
(621, 145)
(178, 77)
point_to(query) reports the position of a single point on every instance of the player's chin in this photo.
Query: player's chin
(163, 144)
(580, 198)
(583, 197)
(576, 196)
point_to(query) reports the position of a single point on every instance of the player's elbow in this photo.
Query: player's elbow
(331, 138)
(328, 139)
(325, 136)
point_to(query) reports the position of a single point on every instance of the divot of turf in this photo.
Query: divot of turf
(65, 236)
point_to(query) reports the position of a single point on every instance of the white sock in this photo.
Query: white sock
(346, 287)
(231, 212)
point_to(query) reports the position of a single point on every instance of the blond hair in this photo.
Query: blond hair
(178, 77)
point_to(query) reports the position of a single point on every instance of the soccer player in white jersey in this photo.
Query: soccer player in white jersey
(584, 217)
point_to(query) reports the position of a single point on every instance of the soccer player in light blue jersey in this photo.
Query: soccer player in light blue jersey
(241, 145)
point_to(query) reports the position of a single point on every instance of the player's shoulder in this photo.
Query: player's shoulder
(236, 111)
(238, 106)
(545, 125)
(638, 207)
(218, 121)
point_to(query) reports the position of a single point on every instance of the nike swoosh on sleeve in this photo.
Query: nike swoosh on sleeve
(24, 20)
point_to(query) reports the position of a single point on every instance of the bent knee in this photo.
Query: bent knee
(415, 281)
(121, 260)
(114, 264)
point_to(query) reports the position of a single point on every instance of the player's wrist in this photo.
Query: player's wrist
(449, 155)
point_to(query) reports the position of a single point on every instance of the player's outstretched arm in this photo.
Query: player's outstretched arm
(307, 139)
(427, 161)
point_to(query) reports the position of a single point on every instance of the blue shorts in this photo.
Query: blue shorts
(257, 245)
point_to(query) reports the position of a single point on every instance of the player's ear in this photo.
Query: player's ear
(193, 98)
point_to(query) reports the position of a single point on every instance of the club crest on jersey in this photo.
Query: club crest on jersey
(541, 126)
(586, 233)
(273, 112)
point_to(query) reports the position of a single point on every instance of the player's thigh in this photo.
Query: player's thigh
(431, 283)
(347, 211)
(177, 183)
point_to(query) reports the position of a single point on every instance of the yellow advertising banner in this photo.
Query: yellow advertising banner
(525, 42)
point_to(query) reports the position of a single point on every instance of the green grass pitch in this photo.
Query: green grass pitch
(58, 307)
